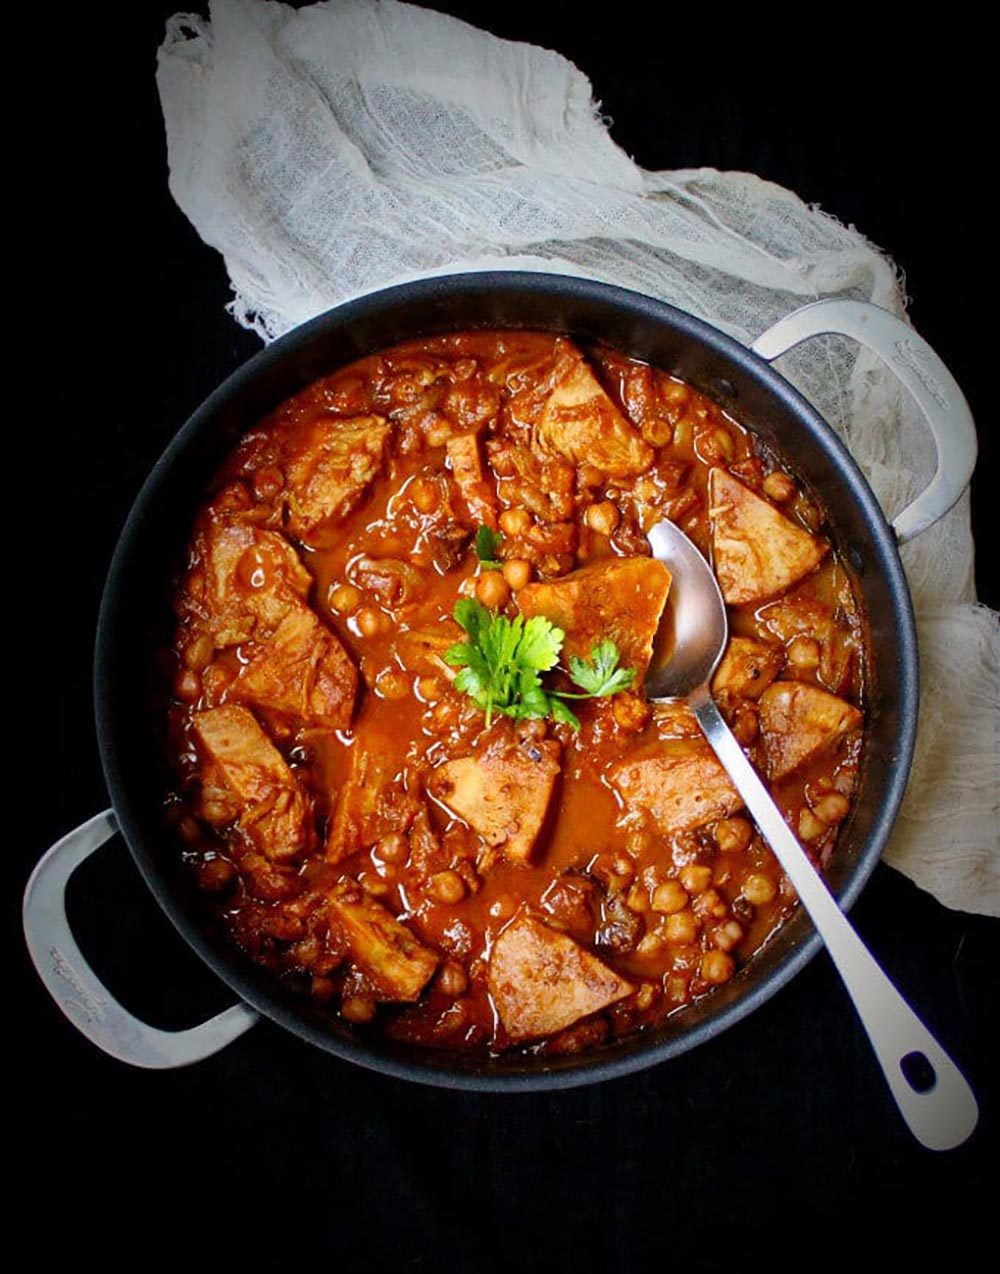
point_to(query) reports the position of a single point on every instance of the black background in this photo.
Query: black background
(773, 1143)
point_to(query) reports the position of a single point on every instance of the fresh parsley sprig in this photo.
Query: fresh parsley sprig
(487, 548)
(502, 662)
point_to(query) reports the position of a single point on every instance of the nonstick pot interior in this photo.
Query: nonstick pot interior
(135, 617)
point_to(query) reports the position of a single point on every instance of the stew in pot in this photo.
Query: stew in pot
(410, 756)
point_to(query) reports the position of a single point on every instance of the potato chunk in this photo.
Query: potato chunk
(542, 981)
(681, 784)
(273, 810)
(244, 580)
(303, 671)
(381, 946)
(580, 422)
(747, 669)
(503, 794)
(467, 470)
(328, 465)
(621, 598)
(757, 551)
(799, 721)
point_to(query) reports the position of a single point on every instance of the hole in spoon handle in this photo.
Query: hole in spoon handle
(941, 1116)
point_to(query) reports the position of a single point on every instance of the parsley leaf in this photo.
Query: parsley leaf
(487, 546)
(601, 676)
(502, 662)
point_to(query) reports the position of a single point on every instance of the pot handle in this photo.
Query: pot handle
(924, 374)
(76, 988)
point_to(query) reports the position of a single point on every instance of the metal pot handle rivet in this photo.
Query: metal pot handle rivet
(922, 372)
(76, 988)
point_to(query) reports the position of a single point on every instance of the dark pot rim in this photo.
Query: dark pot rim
(425, 1066)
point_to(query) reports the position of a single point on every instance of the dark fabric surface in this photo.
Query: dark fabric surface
(777, 1141)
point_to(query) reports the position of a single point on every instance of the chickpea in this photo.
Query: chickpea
(453, 980)
(392, 848)
(358, 1008)
(447, 887)
(429, 689)
(727, 936)
(392, 684)
(650, 945)
(491, 589)
(810, 828)
(322, 989)
(696, 877)
(589, 476)
(717, 967)
(710, 903)
(733, 835)
(631, 712)
(515, 521)
(503, 907)
(369, 622)
(637, 898)
(723, 444)
(622, 865)
(516, 573)
(682, 927)
(832, 808)
(187, 685)
(424, 495)
(669, 897)
(779, 486)
(745, 727)
(759, 889)
(198, 653)
(344, 598)
(677, 988)
(438, 432)
(804, 654)
(638, 841)
(603, 518)
(215, 809)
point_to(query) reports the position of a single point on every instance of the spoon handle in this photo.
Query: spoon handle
(941, 1112)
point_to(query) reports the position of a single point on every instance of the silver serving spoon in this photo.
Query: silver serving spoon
(941, 1114)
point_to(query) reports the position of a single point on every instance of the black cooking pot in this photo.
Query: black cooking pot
(135, 616)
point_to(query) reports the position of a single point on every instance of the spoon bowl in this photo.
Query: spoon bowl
(930, 1091)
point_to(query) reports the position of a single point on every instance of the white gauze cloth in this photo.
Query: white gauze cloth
(347, 146)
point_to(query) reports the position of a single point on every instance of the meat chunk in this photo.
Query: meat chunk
(799, 721)
(273, 811)
(423, 649)
(681, 784)
(244, 580)
(503, 794)
(467, 470)
(757, 551)
(620, 598)
(303, 671)
(328, 464)
(371, 803)
(381, 946)
(580, 422)
(747, 669)
(542, 981)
